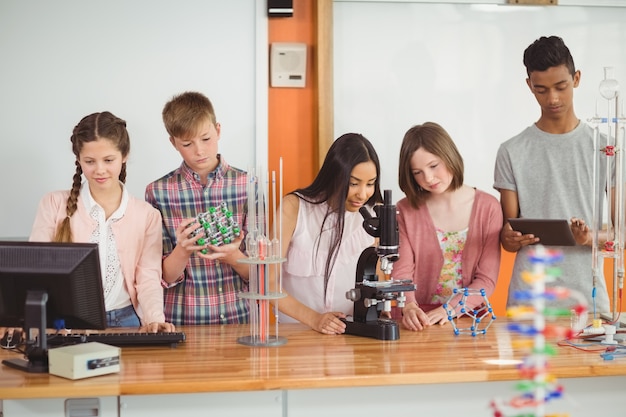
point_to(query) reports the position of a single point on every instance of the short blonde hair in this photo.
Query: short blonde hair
(184, 114)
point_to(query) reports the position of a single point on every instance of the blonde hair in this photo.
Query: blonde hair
(184, 114)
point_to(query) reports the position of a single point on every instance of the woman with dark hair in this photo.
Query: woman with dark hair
(323, 236)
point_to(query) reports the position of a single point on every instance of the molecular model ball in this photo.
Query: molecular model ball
(482, 316)
(217, 227)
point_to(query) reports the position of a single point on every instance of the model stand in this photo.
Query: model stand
(481, 316)
(609, 148)
(537, 386)
(264, 258)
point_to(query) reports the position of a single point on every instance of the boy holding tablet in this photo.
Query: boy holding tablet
(546, 172)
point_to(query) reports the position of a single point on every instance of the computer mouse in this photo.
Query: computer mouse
(11, 339)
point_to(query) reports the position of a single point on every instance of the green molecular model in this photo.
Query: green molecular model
(217, 227)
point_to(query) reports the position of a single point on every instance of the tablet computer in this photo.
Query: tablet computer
(551, 232)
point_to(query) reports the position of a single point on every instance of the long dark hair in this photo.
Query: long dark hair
(332, 183)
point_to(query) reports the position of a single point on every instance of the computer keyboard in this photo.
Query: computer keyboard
(118, 339)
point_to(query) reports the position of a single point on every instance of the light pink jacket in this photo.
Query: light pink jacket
(421, 258)
(138, 236)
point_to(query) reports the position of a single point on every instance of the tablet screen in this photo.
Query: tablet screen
(551, 232)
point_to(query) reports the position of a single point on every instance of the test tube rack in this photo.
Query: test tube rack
(264, 259)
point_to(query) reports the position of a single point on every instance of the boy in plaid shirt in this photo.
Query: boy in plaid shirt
(201, 287)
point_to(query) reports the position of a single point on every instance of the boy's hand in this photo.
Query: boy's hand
(184, 239)
(228, 253)
(513, 241)
(580, 230)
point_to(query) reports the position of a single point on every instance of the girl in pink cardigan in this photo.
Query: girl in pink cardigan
(100, 210)
(449, 232)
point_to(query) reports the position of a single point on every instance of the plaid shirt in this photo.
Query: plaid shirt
(207, 291)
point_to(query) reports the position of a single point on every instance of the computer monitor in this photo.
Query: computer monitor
(49, 285)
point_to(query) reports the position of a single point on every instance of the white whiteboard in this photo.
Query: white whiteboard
(397, 64)
(62, 60)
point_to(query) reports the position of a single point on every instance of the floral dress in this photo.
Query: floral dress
(452, 244)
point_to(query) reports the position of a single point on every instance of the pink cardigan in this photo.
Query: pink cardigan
(138, 236)
(421, 258)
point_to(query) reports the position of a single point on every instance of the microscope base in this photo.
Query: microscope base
(381, 329)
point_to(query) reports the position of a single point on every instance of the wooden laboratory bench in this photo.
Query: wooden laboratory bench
(211, 360)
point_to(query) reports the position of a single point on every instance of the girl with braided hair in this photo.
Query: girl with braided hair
(100, 210)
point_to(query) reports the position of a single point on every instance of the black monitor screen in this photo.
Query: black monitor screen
(68, 272)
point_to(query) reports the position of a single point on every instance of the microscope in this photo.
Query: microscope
(371, 297)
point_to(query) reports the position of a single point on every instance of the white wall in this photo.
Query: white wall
(397, 64)
(61, 60)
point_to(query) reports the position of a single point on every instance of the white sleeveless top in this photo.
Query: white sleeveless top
(303, 272)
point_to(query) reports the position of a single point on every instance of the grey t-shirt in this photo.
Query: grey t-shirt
(553, 176)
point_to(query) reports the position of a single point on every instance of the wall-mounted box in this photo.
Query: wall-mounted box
(288, 64)
(279, 8)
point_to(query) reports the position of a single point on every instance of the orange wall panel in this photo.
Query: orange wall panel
(292, 124)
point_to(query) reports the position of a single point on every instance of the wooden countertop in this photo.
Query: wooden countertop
(211, 360)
